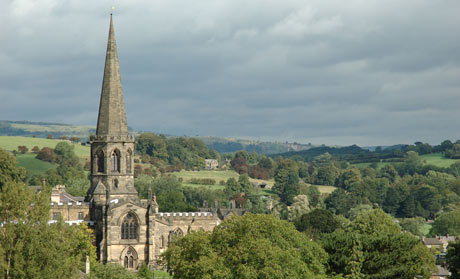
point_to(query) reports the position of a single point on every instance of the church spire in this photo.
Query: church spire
(112, 114)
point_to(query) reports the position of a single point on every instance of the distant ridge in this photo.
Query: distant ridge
(220, 144)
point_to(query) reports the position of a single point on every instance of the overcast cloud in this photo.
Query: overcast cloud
(335, 72)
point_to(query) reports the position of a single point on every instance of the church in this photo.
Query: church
(129, 231)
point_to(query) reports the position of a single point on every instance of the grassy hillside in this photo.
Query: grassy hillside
(12, 143)
(436, 159)
(33, 165)
(216, 175)
(42, 129)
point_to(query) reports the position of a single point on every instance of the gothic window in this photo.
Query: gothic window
(99, 160)
(129, 258)
(131, 262)
(115, 161)
(162, 242)
(129, 161)
(175, 234)
(115, 183)
(129, 227)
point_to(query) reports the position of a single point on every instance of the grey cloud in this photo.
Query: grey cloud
(379, 72)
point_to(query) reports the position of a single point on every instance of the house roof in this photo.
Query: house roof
(441, 271)
(431, 241)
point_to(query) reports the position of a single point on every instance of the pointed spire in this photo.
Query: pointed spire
(112, 113)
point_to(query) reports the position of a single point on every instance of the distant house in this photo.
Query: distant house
(432, 242)
(440, 273)
(438, 242)
(211, 164)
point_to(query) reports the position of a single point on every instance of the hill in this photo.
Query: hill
(43, 129)
(12, 143)
(227, 145)
(220, 144)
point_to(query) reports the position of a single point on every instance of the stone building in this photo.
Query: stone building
(129, 231)
(211, 164)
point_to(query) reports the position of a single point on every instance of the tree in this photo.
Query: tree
(317, 221)
(286, 184)
(326, 175)
(250, 246)
(65, 150)
(340, 202)
(23, 149)
(9, 171)
(453, 259)
(153, 145)
(35, 149)
(46, 154)
(110, 271)
(299, 206)
(348, 178)
(373, 246)
(32, 248)
(446, 223)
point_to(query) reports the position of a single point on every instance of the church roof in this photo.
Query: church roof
(112, 113)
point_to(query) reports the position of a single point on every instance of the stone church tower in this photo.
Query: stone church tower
(128, 230)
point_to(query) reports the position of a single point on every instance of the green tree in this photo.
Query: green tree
(316, 222)
(30, 247)
(251, 246)
(110, 271)
(153, 145)
(453, 259)
(349, 177)
(326, 175)
(286, 184)
(9, 171)
(373, 246)
(65, 150)
(446, 223)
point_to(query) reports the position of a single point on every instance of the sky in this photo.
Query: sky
(366, 72)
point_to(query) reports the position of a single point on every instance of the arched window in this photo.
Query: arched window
(175, 234)
(129, 258)
(129, 164)
(162, 242)
(115, 160)
(129, 227)
(131, 262)
(115, 183)
(99, 158)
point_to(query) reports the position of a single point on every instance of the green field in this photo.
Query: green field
(426, 229)
(438, 159)
(216, 175)
(33, 165)
(12, 143)
(325, 189)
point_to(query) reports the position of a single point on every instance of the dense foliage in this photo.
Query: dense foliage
(32, 248)
(252, 246)
(173, 153)
(373, 246)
